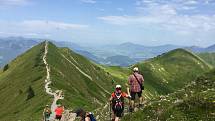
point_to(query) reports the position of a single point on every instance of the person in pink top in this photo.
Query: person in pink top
(58, 112)
(135, 82)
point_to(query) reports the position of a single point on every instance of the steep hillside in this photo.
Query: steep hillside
(22, 85)
(194, 102)
(171, 71)
(208, 57)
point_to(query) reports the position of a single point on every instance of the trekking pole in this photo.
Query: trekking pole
(110, 112)
(129, 104)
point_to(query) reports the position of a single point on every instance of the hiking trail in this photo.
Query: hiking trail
(57, 94)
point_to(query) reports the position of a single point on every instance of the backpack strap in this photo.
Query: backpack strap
(137, 80)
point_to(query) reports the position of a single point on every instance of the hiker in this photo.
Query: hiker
(46, 113)
(135, 82)
(117, 101)
(85, 116)
(59, 111)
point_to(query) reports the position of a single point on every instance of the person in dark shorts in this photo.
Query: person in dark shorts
(46, 113)
(135, 82)
(58, 112)
(117, 102)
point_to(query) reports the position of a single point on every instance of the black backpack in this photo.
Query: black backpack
(118, 102)
(91, 116)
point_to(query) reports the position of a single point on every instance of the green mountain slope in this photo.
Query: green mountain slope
(166, 73)
(195, 102)
(171, 71)
(26, 71)
(83, 82)
(208, 57)
(23, 95)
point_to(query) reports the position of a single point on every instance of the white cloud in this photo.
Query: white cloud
(179, 23)
(101, 9)
(191, 2)
(188, 7)
(118, 20)
(88, 1)
(120, 9)
(50, 25)
(37, 28)
(18, 34)
(164, 15)
(140, 2)
(13, 2)
(176, 4)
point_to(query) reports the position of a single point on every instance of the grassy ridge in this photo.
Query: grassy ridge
(194, 102)
(171, 71)
(166, 73)
(83, 82)
(26, 71)
(208, 57)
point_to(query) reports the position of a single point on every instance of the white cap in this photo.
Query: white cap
(118, 86)
(135, 69)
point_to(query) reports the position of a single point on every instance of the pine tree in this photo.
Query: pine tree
(30, 92)
(5, 67)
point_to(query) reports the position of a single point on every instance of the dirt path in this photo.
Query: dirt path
(67, 116)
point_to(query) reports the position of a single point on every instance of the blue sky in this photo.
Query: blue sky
(148, 22)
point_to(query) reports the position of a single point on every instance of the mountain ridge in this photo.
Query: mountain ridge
(165, 73)
(169, 69)
(81, 81)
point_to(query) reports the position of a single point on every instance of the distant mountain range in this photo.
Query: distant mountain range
(197, 49)
(124, 54)
(133, 53)
(13, 46)
(131, 50)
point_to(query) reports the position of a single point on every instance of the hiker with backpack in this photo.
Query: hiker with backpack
(58, 112)
(135, 82)
(46, 113)
(117, 102)
(85, 116)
